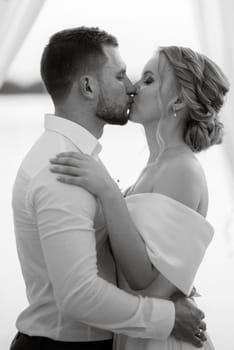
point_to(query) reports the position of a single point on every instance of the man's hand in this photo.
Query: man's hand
(189, 326)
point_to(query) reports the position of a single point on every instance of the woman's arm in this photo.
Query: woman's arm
(128, 247)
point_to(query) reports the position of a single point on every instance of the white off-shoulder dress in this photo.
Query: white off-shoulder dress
(176, 239)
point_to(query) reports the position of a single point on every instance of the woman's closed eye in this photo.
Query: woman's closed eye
(148, 80)
(121, 76)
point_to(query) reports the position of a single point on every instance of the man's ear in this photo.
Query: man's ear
(88, 86)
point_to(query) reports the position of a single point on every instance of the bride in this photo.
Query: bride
(159, 233)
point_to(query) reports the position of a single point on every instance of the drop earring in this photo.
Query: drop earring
(174, 115)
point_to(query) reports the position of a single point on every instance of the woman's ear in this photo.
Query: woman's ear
(88, 86)
(178, 105)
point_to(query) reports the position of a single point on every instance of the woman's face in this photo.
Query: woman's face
(152, 91)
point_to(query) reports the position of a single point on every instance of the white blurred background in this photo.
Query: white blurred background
(203, 25)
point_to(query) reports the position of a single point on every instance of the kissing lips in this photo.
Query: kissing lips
(129, 106)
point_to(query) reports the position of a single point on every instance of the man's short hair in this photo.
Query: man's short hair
(72, 52)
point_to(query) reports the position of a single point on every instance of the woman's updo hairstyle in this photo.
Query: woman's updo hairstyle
(203, 87)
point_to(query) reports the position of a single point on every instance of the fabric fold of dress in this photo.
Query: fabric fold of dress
(176, 236)
(176, 239)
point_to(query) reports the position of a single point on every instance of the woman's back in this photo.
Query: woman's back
(178, 176)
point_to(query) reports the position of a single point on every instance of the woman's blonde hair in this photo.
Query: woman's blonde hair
(202, 87)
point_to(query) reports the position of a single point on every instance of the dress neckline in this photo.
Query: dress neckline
(172, 200)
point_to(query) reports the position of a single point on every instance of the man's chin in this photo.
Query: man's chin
(123, 120)
(118, 121)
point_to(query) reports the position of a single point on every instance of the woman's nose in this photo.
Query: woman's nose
(137, 86)
(131, 89)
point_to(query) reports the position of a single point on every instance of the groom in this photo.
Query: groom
(63, 249)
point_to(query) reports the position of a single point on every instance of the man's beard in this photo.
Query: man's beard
(114, 114)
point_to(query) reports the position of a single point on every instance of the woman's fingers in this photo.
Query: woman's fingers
(75, 155)
(67, 170)
(70, 180)
(66, 161)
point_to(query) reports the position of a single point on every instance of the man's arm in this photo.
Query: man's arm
(188, 325)
(65, 217)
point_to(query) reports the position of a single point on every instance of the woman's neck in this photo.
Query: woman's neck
(169, 140)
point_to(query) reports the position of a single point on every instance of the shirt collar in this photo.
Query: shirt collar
(79, 136)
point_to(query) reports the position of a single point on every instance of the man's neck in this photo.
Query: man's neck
(83, 118)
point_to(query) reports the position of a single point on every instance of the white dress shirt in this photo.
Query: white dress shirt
(64, 253)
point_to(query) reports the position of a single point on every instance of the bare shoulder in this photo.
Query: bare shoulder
(187, 168)
(183, 179)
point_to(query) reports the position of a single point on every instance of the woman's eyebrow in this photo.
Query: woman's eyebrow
(148, 72)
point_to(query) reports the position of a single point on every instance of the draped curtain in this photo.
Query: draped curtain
(215, 25)
(16, 19)
(214, 21)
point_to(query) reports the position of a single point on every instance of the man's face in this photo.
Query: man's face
(116, 89)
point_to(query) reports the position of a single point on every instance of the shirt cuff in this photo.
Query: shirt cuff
(162, 319)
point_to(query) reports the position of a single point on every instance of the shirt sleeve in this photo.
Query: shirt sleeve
(65, 216)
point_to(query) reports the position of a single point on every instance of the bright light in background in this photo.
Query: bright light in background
(140, 27)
